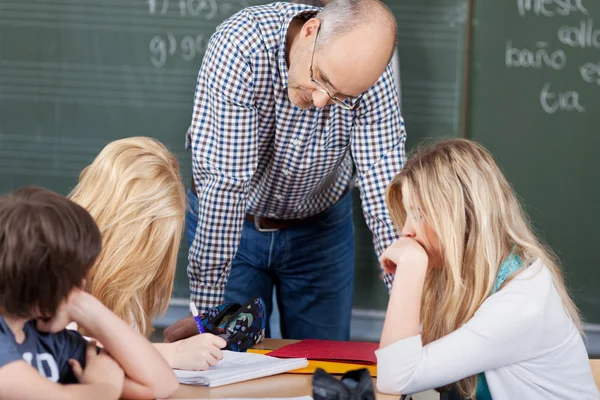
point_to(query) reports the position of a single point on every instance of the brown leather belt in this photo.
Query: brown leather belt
(264, 224)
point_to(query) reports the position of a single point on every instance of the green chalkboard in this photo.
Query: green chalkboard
(76, 74)
(534, 104)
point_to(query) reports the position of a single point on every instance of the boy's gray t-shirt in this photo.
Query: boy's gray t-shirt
(49, 353)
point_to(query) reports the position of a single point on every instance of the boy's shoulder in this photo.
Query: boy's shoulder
(8, 345)
(47, 352)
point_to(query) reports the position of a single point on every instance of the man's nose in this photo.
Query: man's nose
(320, 98)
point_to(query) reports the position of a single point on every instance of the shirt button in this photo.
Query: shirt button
(279, 197)
(286, 172)
(296, 142)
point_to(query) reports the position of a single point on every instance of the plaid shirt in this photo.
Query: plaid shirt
(255, 152)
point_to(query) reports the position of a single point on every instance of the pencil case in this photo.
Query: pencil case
(241, 325)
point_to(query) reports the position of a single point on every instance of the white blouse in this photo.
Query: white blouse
(521, 337)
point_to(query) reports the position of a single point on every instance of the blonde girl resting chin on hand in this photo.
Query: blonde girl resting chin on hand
(134, 192)
(497, 321)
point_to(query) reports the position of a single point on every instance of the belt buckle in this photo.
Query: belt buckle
(261, 229)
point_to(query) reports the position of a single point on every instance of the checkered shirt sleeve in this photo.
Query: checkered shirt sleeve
(379, 154)
(223, 134)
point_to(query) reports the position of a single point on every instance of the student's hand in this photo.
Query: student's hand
(405, 253)
(182, 329)
(199, 352)
(99, 369)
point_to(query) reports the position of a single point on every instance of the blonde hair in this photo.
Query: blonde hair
(478, 219)
(134, 192)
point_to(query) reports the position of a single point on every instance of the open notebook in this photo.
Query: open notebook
(238, 367)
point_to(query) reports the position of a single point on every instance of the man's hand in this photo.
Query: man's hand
(182, 329)
(99, 369)
(403, 253)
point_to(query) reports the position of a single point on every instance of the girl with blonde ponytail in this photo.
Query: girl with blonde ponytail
(478, 305)
(134, 192)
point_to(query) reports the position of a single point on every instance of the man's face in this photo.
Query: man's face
(301, 89)
(342, 68)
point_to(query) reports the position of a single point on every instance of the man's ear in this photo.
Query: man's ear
(310, 28)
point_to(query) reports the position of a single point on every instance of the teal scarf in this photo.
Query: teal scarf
(509, 266)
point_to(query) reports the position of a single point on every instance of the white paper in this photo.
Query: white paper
(238, 367)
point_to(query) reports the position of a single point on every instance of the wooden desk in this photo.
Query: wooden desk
(283, 385)
(289, 385)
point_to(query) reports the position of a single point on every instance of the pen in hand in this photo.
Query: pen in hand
(194, 311)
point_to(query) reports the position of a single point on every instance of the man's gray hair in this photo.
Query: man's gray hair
(342, 16)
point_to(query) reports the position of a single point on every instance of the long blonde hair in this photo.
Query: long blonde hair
(134, 192)
(478, 219)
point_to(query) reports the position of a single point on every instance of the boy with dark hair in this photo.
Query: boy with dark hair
(47, 245)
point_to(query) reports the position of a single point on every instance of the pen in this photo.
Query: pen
(194, 311)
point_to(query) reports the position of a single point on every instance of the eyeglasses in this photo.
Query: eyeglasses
(324, 89)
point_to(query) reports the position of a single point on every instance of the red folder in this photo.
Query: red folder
(329, 350)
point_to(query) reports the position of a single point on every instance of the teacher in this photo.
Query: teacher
(289, 99)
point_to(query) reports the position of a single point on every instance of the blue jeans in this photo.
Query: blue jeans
(311, 265)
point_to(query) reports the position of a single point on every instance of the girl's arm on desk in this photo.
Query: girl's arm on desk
(147, 373)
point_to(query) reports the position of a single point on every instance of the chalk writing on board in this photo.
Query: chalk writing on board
(552, 97)
(164, 46)
(553, 101)
(538, 58)
(188, 48)
(550, 8)
(208, 9)
(590, 72)
(582, 36)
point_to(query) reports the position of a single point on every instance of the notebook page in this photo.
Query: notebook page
(239, 367)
